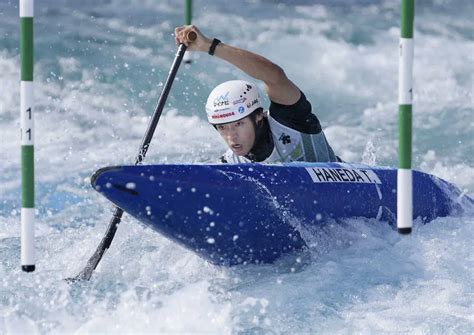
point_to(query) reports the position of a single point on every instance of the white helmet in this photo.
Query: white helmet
(232, 101)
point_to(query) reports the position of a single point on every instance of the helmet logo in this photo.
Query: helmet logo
(250, 104)
(240, 101)
(220, 116)
(221, 100)
(241, 109)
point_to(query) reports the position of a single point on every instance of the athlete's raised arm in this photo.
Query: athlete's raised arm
(279, 88)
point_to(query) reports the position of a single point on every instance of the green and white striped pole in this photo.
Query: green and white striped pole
(27, 138)
(405, 98)
(188, 14)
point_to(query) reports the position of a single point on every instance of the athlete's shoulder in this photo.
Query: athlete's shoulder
(298, 116)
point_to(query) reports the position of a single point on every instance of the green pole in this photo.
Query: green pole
(405, 99)
(188, 13)
(27, 138)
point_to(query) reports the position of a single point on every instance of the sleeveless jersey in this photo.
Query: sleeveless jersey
(291, 145)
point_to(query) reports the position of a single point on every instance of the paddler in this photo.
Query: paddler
(288, 131)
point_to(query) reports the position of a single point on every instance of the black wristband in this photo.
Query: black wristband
(213, 46)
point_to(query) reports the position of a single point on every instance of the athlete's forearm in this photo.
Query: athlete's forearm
(254, 65)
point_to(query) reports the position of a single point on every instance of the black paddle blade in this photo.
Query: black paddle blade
(92, 263)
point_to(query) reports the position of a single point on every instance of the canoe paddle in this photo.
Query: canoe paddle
(86, 273)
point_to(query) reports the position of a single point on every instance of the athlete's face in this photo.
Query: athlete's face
(239, 135)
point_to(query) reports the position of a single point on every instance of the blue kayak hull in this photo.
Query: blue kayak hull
(252, 213)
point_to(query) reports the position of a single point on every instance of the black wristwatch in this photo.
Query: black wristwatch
(213, 46)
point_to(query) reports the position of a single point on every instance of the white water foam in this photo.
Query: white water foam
(98, 75)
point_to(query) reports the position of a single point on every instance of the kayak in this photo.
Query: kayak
(233, 214)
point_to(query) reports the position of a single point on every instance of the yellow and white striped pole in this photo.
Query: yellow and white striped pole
(405, 99)
(27, 138)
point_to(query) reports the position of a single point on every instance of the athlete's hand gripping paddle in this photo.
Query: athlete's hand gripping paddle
(86, 273)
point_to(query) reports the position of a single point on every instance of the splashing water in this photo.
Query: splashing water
(99, 69)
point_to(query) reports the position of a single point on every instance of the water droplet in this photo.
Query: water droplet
(207, 210)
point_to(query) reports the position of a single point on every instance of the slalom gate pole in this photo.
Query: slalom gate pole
(27, 138)
(405, 99)
(188, 11)
(188, 14)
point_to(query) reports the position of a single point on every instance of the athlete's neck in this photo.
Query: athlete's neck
(263, 146)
